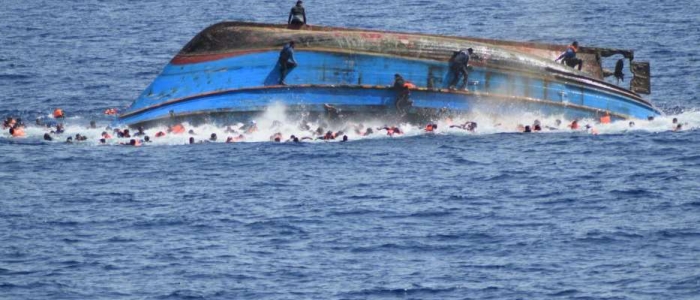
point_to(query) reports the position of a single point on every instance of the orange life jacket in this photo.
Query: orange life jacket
(605, 119)
(429, 127)
(18, 132)
(58, 113)
(111, 111)
(574, 125)
(106, 136)
(409, 85)
(178, 129)
(160, 134)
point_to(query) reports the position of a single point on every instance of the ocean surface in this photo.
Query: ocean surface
(493, 214)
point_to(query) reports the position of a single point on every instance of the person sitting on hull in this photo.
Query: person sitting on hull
(286, 61)
(458, 65)
(403, 93)
(569, 56)
(297, 16)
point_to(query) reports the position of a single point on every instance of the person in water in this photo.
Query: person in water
(574, 125)
(297, 16)
(403, 93)
(140, 132)
(468, 126)
(570, 58)
(459, 63)
(286, 61)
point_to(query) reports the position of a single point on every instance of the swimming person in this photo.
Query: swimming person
(286, 61)
(569, 56)
(469, 126)
(297, 15)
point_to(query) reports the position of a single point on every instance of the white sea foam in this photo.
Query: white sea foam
(277, 120)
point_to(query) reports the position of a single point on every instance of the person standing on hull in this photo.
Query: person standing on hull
(297, 16)
(286, 61)
(570, 58)
(458, 65)
(403, 93)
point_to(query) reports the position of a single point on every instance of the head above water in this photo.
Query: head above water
(300, 2)
(470, 51)
(575, 43)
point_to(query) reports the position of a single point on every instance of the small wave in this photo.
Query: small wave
(679, 233)
(639, 192)
(430, 214)
(563, 293)
(183, 294)
(356, 212)
(391, 292)
(13, 76)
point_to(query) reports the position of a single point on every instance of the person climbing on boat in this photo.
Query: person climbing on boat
(458, 65)
(297, 16)
(569, 56)
(403, 93)
(286, 61)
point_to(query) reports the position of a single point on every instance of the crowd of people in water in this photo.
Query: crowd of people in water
(54, 130)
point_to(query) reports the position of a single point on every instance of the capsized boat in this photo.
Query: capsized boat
(230, 70)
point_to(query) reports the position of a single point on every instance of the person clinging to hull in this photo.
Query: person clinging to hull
(403, 93)
(570, 58)
(286, 61)
(458, 65)
(297, 16)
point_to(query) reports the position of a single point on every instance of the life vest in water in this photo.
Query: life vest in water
(605, 119)
(160, 134)
(177, 129)
(58, 113)
(429, 127)
(17, 132)
(409, 85)
(111, 111)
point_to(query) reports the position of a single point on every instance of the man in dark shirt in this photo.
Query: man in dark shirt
(297, 16)
(458, 65)
(402, 94)
(286, 60)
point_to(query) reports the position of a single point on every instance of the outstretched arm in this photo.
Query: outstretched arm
(561, 56)
(289, 19)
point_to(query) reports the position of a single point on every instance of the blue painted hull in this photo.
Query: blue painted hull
(246, 83)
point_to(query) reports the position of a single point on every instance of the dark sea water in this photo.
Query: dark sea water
(492, 215)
